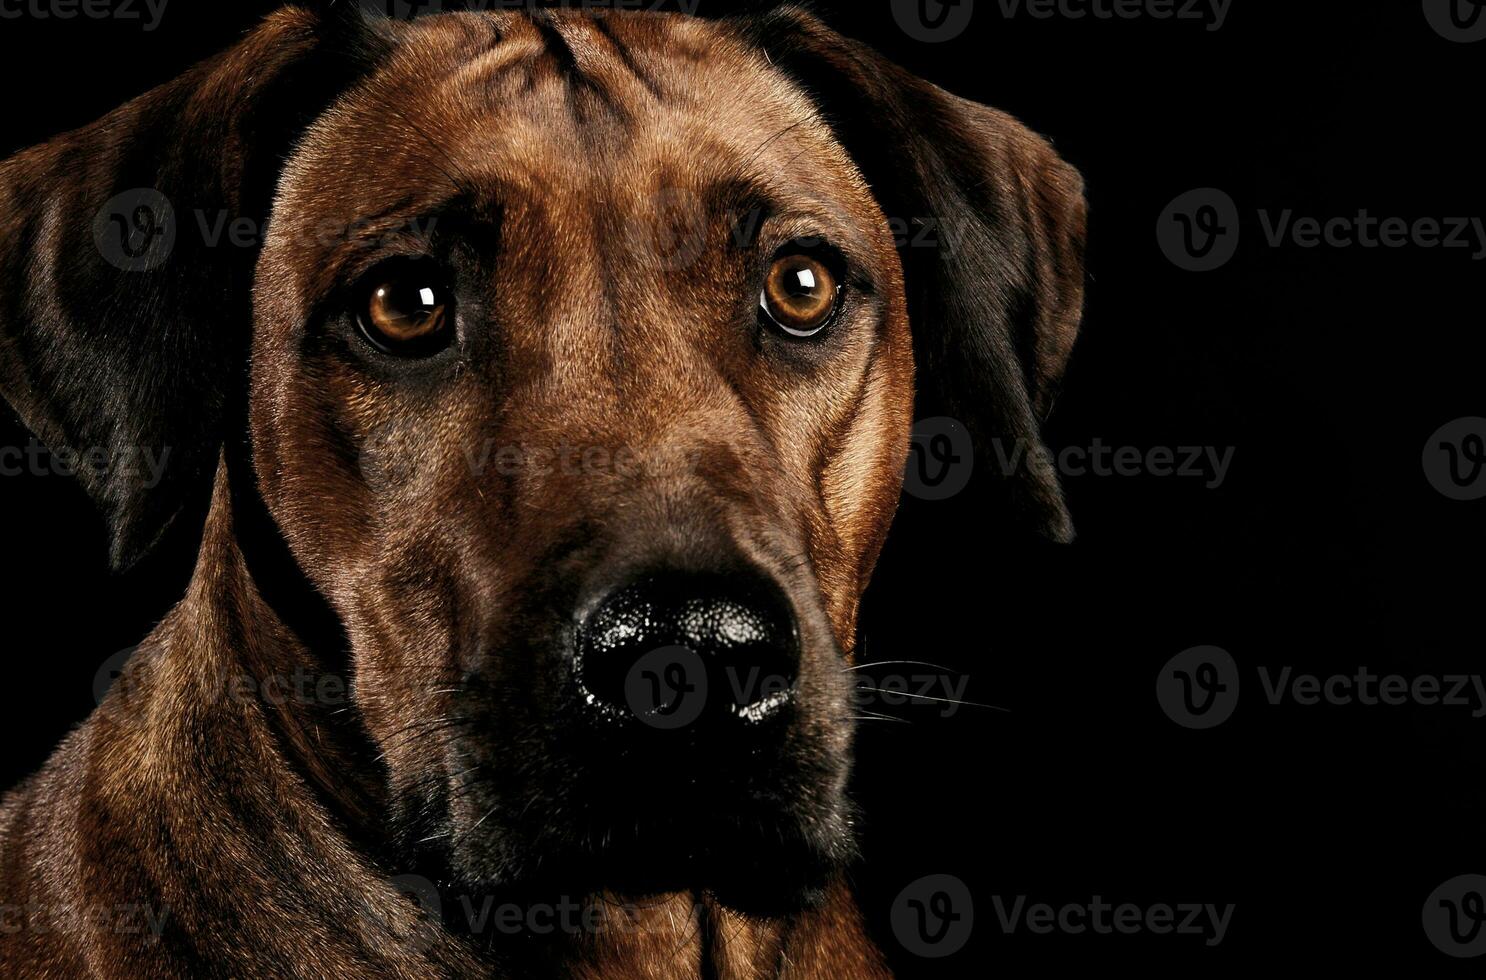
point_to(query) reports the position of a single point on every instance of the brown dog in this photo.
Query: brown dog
(561, 400)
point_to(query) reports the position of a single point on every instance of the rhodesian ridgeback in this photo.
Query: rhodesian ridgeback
(538, 386)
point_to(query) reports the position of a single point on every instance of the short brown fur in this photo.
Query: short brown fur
(606, 160)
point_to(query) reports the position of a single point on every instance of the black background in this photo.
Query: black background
(1325, 550)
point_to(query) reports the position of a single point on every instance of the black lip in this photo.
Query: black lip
(763, 829)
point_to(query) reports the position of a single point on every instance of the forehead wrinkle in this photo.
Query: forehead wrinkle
(529, 147)
(762, 138)
(482, 84)
(514, 50)
(602, 62)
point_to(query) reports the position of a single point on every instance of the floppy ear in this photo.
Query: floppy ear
(124, 303)
(994, 225)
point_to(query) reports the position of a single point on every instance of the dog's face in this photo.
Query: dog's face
(578, 369)
(619, 366)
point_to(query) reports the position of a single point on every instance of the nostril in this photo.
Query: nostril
(672, 649)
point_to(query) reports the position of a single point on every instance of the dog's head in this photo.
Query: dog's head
(576, 356)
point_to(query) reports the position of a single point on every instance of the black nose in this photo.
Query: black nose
(672, 650)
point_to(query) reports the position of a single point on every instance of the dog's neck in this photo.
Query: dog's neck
(216, 721)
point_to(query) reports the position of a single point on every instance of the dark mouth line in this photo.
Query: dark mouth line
(707, 927)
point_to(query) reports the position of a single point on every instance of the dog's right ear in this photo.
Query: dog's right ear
(125, 301)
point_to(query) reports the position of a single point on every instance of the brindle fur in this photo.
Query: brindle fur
(345, 529)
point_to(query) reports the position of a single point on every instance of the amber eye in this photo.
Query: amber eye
(408, 312)
(800, 295)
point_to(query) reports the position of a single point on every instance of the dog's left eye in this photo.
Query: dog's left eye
(407, 312)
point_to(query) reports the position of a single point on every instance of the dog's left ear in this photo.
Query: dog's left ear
(991, 223)
(126, 260)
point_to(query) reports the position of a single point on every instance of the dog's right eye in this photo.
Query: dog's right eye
(407, 311)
